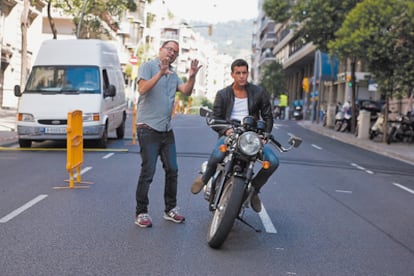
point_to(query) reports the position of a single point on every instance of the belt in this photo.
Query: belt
(144, 126)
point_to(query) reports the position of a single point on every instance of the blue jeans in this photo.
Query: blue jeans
(153, 144)
(261, 177)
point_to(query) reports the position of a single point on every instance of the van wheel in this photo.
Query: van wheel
(120, 131)
(25, 143)
(103, 142)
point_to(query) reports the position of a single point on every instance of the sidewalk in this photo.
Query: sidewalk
(400, 151)
(8, 133)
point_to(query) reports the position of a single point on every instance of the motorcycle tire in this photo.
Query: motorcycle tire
(372, 134)
(338, 125)
(390, 136)
(344, 127)
(226, 213)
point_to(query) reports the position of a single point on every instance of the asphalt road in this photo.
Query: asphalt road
(330, 209)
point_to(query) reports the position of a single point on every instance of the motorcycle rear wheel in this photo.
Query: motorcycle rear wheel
(227, 211)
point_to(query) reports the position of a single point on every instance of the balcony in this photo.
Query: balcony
(268, 40)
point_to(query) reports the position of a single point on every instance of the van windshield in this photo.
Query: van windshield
(64, 79)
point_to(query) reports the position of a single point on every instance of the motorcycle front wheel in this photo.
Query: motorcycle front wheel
(390, 136)
(227, 211)
(338, 125)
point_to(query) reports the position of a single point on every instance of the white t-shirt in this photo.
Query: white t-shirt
(240, 109)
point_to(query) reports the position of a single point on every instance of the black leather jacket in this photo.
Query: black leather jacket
(258, 102)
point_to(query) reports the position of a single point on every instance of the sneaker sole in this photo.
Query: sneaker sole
(173, 220)
(143, 225)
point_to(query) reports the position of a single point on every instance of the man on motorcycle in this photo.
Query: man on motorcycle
(236, 101)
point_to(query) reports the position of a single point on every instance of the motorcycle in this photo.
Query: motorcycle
(297, 113)
(339, 119)
(378, 127)
(229, 190)
(346, 123)
(402, 130)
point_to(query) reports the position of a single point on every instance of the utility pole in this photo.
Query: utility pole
(24, 23)
(81, 19)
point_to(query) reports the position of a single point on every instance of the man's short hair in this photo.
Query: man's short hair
(239, 62)
(168, 41)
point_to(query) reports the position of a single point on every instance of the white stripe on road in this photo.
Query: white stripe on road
(267, 222)
(343, 191)
(23, 208)
(83, 171)
(361, 168)
(108, 155)
(403, 187)
(316, 147)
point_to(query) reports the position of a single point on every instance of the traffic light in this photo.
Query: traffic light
(210, 30)
(349, 80)
(305, 84)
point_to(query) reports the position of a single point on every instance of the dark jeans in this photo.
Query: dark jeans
(261, 177)
(154, 144)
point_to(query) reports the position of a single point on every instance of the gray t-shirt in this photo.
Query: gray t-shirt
(155, 107)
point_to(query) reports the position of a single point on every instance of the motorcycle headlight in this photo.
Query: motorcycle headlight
(249, 143)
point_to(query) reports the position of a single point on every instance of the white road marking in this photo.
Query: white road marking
(267, 222)
(108, 155)
(22, 208)
(403, 187)
(316, 147)
(343, 191)
(362, 168)
(83, 171)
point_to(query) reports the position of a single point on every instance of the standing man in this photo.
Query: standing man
(157, 86)
(236, 101)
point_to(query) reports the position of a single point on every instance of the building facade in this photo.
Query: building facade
(138, 38)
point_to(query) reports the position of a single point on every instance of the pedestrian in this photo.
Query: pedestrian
(157, 86)
(237, 101)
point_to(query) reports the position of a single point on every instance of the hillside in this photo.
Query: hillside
(233, 37)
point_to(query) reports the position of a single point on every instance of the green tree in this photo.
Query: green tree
(313, 21)
(381, 32)
(273, 79)
(278, 10)
(93, 15)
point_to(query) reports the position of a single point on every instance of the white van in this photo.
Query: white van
(72, 75)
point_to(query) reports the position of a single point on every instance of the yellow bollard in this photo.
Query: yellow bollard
(74, 147)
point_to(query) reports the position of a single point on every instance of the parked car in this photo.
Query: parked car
(369, 105)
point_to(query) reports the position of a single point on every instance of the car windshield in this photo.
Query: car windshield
(64, 79)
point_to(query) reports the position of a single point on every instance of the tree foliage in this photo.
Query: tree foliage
(273, 78)
(98, 17)
(313, 20)
(319, 19)
(278, 10)
(382, 33)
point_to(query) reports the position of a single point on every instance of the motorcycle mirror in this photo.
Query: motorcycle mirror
(295, 141)
(205, 112)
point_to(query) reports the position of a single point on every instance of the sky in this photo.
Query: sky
(213, 11)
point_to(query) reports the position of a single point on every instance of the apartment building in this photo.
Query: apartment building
(138, 38)
(302, 63)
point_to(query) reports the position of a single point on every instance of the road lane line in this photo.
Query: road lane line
(83, 171)
(23, 208)
(267, 222)
(403, 187)
(108, 155)
(316, 147)
(343, 191)
(362, 168)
